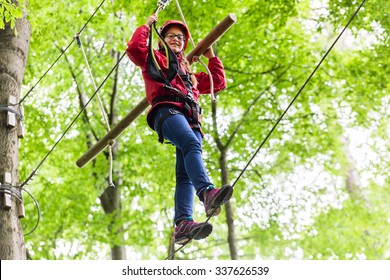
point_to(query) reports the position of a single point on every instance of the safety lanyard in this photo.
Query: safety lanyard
(154, 68)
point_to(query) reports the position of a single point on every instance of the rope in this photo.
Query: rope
(62, 53)
(104, 115)
(199, 60)
(111, 160)
(280, 118)
(38, 212)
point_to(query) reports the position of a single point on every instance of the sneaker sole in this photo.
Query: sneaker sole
(212, 212)
(203, 231)
(224, 196)
(199, 233)
(182, 240)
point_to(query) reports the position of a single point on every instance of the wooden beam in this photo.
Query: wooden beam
(112, 134)
(212, 37)
(200, 49)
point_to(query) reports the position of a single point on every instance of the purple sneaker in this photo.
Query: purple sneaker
(214, 198)
(187, 230)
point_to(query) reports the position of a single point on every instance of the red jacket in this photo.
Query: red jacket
(137, 51)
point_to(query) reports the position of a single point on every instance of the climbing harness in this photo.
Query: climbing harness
(191, 108)
(170, 112)
(210, 39)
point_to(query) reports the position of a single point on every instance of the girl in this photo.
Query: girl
(175, 116)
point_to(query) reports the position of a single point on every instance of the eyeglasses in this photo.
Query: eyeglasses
(171, 36)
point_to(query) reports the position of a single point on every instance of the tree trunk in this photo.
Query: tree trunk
(13, 57)
(111, 198)
(352, 182)
(228, 208)
(111, 203)
(225, 180)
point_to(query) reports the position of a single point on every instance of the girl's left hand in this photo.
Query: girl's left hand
(151, 19)
(209, 53)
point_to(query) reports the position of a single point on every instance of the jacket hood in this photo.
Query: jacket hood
(181, 25)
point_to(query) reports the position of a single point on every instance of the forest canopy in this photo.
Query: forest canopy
(317, 189)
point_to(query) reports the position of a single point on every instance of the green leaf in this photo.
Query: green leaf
(293, 196)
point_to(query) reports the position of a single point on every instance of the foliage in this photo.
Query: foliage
(10, 12)
(291, 203)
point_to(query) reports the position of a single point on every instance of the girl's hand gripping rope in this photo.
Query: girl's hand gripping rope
(151, 19)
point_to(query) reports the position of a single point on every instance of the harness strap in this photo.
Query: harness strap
(189, 104)
(171, 97)
(154, 68)
(162, 120)
(186, 79)
(194, 109)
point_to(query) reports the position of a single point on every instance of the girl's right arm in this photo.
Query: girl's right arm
(137, 47)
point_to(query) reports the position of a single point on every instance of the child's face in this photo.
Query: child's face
(175, 39)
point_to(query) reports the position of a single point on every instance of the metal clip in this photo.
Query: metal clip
(161, 5)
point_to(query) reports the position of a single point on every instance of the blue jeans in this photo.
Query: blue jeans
(190, 170)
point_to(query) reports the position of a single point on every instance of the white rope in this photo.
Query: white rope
(110, 182)
(105, 118)
(93, 82)
(200, 61)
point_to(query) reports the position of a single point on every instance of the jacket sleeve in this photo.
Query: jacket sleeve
(137, 47)
(218, 73)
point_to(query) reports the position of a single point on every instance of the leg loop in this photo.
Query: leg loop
(161, 122)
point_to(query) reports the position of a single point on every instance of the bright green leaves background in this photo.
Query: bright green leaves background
(295, 201)
(9, 12)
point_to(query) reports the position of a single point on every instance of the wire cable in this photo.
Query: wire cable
(102, 110)
(13, 191)
(38, 212)
(34, 172)
(9, 189)
(298, 93)
(62, 53)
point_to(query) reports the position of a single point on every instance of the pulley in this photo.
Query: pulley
(161, 4)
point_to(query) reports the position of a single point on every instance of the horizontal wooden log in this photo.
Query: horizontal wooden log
(200, 49)
(212, 37)
(112, 134)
